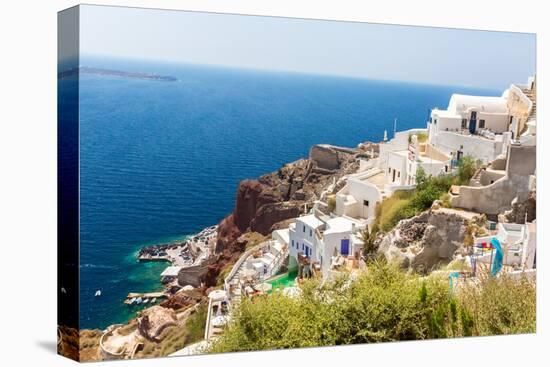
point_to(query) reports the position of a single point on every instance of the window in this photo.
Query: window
(398, 174)
(293, 243)
(389, 169)
(304, 228)
(310, 232)
(446, 168)
(435, 121)
(464, 123)
(482, 124)
(302, 247)
(365, 202)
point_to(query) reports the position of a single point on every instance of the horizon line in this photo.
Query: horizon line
(286, 71)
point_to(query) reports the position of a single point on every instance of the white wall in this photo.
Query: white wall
(497, 123)
(301, 237)
(362, 190)
(444, 123)
(398, 163)
(477, 147)
(399, 142)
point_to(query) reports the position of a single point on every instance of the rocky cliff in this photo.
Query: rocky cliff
(427, 240)
(521, 210)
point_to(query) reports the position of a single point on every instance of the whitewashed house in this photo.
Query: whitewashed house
(302, 236)
(476, 126)
(320, 241)
(394, 169)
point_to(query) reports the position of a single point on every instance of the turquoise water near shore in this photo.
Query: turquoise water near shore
(162, 160)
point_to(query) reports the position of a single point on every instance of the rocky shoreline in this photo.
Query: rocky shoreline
(183, 252)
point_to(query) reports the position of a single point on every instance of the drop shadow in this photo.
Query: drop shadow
(47, 345)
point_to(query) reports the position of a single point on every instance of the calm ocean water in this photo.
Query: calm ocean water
(161, 160)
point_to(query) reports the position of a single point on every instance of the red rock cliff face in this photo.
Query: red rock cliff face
(251, 195)
(281, 195)
(257, 209)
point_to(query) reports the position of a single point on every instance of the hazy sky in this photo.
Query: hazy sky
(417, 54)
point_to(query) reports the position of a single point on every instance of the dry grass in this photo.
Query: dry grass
(501, 305)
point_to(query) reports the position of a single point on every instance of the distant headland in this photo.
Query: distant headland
(107, 72)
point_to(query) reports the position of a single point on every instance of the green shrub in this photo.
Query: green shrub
(501, 306)
(406, 204)
(445, 199)
(195, 325)
(382, 304)
(466, 169)
(423, 199)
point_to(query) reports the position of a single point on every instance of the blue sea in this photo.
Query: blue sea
(162, 160)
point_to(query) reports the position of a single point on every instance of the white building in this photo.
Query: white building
(394, 169)
(303, 237)
(358, 198)
(477, 126)
(323, 240)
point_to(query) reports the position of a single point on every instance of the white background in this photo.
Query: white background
(28, 181)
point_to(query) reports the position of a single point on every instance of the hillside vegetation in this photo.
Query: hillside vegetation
(407, 204)
(382, 304)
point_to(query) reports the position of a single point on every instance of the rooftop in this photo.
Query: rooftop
(284, 234)
(310, 220)
(460, 103)
(378, 180)
(339, 225)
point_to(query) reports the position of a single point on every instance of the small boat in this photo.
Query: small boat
(146, 300)
(138, 300)
(131, 300)
(98, 293)
(153, 300)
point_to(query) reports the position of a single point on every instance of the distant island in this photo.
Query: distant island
(124, 74)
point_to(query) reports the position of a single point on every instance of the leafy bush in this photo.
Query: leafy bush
(424, 198)
(501, 305)
(445, 199)
(466, 169)
(381, 304)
